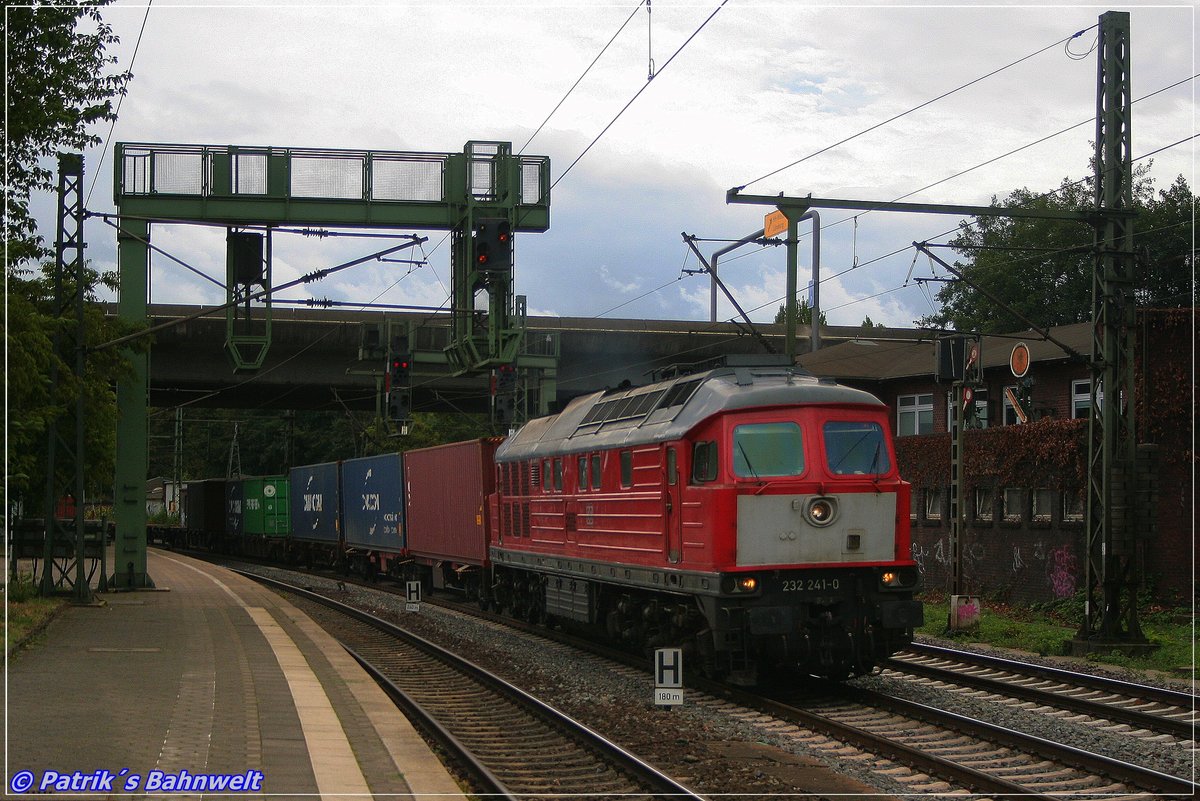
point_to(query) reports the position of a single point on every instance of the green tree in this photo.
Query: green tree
(867, 323)
(804, 313)
(58, 83)
(1043, 268)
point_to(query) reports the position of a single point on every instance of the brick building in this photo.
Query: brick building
(1025, 495)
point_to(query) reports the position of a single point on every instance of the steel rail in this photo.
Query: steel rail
(657, 782)
(1097, 764)
(1144, 691)
(1099, 709)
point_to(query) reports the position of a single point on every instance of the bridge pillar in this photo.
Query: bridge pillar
(129, 494)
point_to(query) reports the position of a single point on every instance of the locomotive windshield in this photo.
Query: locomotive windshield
(767, 449)
(855, 448)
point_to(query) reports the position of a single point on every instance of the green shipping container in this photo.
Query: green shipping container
(265, 506)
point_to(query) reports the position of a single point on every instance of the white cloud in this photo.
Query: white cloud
(761, 86)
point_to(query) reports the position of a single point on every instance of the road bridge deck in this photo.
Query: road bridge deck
(313, 362)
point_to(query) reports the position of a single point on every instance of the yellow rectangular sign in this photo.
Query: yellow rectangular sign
(775, 223)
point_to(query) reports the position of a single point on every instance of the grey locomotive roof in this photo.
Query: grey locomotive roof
(669, 409)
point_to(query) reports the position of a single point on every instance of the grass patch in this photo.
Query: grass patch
(27, 611)
(1043, 630)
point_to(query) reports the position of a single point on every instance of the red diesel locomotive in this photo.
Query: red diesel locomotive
(754, 516)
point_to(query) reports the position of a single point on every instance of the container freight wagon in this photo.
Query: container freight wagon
(265, 515)
(446, 491)
(315, 513)
(372, 495)
(204, 514)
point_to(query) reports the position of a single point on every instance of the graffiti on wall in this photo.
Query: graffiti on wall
(1062, 569)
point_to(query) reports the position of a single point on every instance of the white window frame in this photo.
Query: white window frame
(914, 405)
(1043, 504)
(1071, 513)
(985, 505)
(1081, 398)
(1010, 497)
(933, 501)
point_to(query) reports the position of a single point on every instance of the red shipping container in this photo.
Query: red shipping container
(446, 491)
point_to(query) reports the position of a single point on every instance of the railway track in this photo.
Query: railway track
(921, 747)
(509, 743)
(1146, 711)
(973, 754)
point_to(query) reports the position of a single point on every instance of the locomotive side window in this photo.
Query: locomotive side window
(855, 448)
(626, 469)
(672, 468)
(583, 473)
(596, 471)
(547, 484)
(704, 462)
(558, 473)
(768, 449)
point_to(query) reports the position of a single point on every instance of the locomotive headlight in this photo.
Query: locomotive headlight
(732, 585)
(821, 511)
(890, 579)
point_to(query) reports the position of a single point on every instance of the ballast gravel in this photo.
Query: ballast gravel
(707, 744)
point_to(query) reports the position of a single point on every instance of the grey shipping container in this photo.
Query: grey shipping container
(373, 503)
(313, 498)
(446, 495)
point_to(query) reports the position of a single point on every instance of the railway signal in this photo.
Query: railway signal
(504, 399)
(399, 396)
(493, 245)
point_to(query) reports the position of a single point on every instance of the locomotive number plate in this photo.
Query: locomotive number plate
(820, 584)
(814, 584)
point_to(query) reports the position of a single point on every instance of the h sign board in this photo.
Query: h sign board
(668, 676)
(412, 596)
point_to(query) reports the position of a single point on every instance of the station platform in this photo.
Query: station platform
(211, 676)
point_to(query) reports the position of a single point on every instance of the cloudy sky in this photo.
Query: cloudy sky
(764, 84)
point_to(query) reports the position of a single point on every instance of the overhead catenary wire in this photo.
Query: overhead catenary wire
(637, 94)
(929, 102)
(578, 80)
(120, 100)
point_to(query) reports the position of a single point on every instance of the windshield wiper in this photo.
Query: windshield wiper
(746, 456)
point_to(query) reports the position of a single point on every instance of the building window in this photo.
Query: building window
(933, 504)
(1081, 399)
(1013, 498)
(1073, 507)
(914, 415)
(984, 504)
(1010, 411)
(1043, 505)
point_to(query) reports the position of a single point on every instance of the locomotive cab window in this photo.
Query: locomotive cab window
(767, 449)
(704, 462)
(855, 448)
